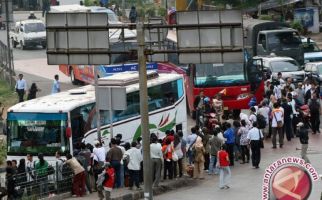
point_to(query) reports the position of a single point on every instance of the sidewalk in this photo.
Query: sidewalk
(126, 194)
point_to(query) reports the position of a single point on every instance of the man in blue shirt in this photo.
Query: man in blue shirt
(21, 87)
(230, 142)
(56, 85)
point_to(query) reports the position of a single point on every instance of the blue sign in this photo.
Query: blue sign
(127, 67)
(304, 16)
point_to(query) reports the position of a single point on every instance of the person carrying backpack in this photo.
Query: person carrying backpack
(79, 176)
(105, 182)
(315, 110)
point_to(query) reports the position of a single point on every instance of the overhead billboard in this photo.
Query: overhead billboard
(210, 36)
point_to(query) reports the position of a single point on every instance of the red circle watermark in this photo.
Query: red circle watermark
(291, 183)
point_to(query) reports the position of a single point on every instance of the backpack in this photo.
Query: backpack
(261, 121)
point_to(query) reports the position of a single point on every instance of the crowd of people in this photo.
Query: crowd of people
(212, 146)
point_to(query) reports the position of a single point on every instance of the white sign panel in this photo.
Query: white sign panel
(77, 38)
(118, 98)
(214, 32)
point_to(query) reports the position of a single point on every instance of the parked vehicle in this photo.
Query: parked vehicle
(312, 52)
(288, 66)
(28, 33)
(314, 70)
(266, 37)
(59, 121)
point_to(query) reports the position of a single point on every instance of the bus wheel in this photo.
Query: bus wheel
(72, 77)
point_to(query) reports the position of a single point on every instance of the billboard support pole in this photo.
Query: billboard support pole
(148, 192)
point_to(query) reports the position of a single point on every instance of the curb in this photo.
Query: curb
(136, 195)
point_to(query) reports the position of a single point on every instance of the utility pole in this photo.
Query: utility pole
(98, 116)
(8, 41)
(148, 192)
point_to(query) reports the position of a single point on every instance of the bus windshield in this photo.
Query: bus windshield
(213, 75)
(36, 132)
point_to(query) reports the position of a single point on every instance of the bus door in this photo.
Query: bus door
(255, 73)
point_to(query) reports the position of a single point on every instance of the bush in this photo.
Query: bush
(297, 26)
(162, 12)
(3, 151)
(265, 17)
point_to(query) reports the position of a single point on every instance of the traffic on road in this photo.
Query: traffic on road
(247, 129)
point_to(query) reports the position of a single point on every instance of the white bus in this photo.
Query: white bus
(43, 124)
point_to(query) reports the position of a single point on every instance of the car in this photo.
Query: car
(312, 52)
(112, 17)
(314, 69)
(287, 66)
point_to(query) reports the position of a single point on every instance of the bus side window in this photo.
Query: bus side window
(262, 40)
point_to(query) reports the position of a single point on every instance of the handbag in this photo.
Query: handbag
(261, 142)
(279, 123)
(175, 157)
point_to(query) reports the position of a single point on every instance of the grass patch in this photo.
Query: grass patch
(7, 95)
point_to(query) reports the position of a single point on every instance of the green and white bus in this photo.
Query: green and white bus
(59, 121)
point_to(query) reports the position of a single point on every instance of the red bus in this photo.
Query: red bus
(237, 82)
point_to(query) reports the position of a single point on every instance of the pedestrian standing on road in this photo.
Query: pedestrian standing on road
(86, 153)
(45, 7)
(230, 142)
(217, 104)
(215, 145)
(315, 110)
(304, 140)
(198, 105)
(118, 143)
(135, 158)
(114, 156)
(59, 168)
(223, 165)
(79, 176)
(191, 139)
(21, 177)
(30, 166)
(167, 150)
(254, 136)
(21, 87)
(178, 151)
(277, 116)
(287, 128)
(199, 159)
(264, 111)
(32, 93)
(156, 156)
(244, 142)
(133, 15)
(56, 85)
(42, 175)
(205, 140)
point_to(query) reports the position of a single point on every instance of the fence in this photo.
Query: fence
(32, 185)
(6, 72)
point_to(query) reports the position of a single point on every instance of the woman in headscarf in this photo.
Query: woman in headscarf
(199, 160)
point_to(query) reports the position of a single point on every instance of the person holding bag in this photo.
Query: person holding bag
(255, 137)
(199, 159)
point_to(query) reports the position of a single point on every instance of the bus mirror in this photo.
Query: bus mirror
(68, 132)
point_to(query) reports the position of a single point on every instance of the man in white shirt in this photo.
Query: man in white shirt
(191, 139)
(254, 136)
(30, 166)
(135, 158)
(21, 87)
(99, 152)
(156, 156)
(277, 119)
(252, 116)
(56, 85)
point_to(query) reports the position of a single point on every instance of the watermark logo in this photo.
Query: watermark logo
(289, 178)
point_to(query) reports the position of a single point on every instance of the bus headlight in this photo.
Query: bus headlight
(243, 96)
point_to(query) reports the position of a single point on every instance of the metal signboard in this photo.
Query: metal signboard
(116, 94)
(77, 38)
(210, 36)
